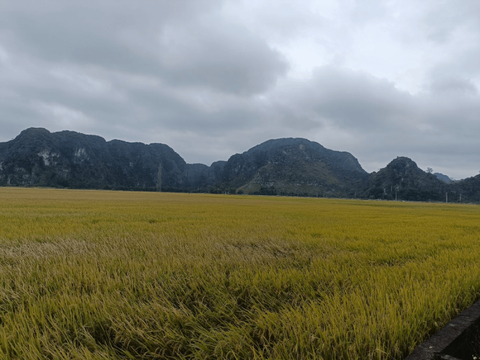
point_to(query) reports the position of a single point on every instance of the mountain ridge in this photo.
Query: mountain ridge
(286, 166)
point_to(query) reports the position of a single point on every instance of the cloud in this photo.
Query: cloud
(184, 48)
(450, 86)
(346, 100)
(214, 77)
(232, 60)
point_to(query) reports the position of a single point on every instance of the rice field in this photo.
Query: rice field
(131, 275)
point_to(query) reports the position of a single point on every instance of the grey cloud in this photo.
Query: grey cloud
(364, 12)
(451, 86)
(279, 20)
(151, 38)
(205, 113)
(348, 99)
(458, 66)
(441, 19)
(231, 60)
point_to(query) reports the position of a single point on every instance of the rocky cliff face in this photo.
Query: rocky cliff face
(296, 167)
(404, 180)
(68, 159)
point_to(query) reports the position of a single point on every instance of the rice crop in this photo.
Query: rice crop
(132, 275)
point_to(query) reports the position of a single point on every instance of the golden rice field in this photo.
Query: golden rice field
(130, 275)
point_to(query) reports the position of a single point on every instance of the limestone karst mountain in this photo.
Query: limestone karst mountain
(403, 179)
(294, 167)
(290, 166)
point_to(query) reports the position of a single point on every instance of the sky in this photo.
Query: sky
(211, 78)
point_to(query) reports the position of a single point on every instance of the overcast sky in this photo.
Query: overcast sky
(212, 78)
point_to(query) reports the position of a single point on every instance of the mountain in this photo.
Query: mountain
(466, 190)
(37, 157)
(443, 177)
(201, 177)
(290, 166)
(294, 167)
(402, 179)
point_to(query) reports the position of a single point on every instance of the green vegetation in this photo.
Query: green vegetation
(118, 275)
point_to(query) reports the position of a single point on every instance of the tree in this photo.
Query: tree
(429, 170)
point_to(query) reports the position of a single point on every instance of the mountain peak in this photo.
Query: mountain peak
(402, 161)
(291, 143)
(403, 179)
(33, 131)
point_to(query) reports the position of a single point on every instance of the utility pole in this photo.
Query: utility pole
(159, 177)
(446, 197)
